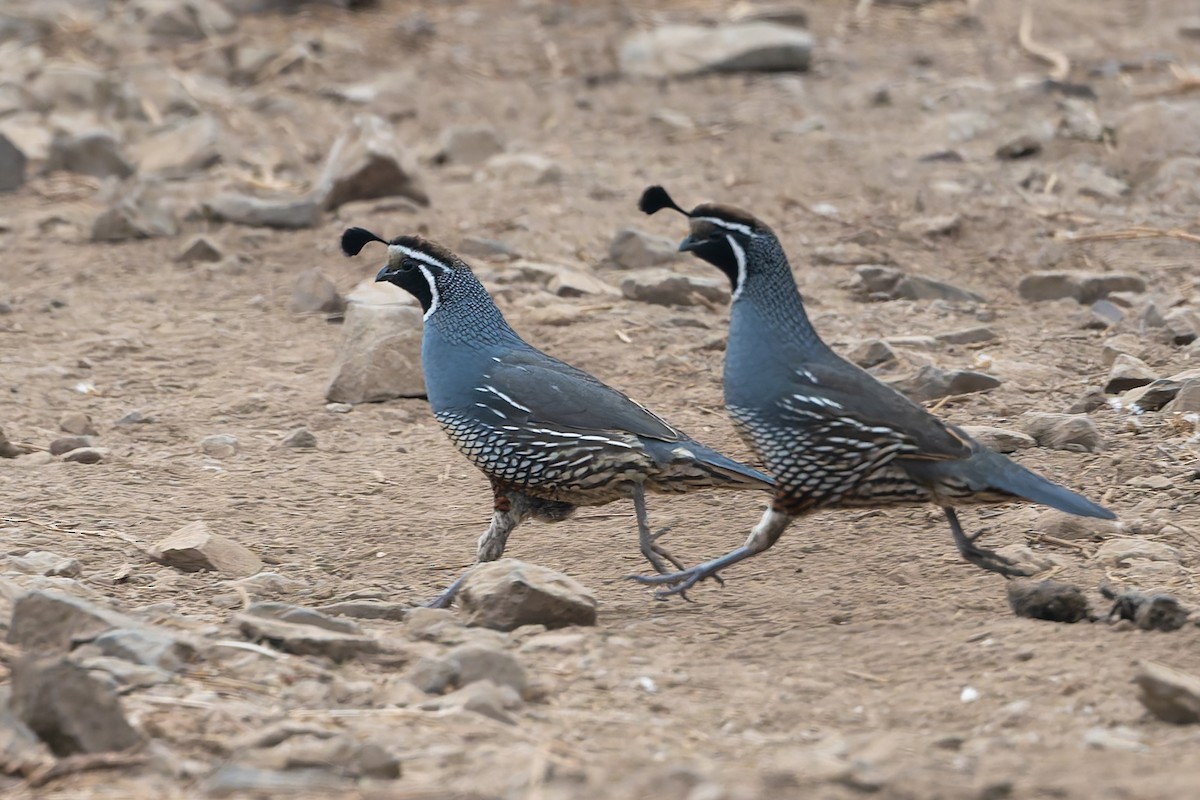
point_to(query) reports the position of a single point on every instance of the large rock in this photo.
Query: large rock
(46, 621)
(307, 634)
(506, 594)
(367, 162)
(12, 165)
(1169, 694)
(285, 212)
(666, 288)
(195, 548)
(1128, 372)
(681, 50)
(96, 153)
(380, 354)
(181, 151)
(68, 709)
(1084, 287)
(634, 249)
(1063, 431)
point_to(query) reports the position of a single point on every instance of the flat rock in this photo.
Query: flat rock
(632, 248)
(237, 781)
(12, 165)
(562, 280)
(932, 383)
(1126, 373)
(1121, 550)
(284, 212)
(304, 639)
(1169, 694)
(144, 645)
(1182, 326)
(468, 144)
(481, 697)
(853, 254)
(366, 162)
(1002, 440)
(180, 151)
(86, 455)
(379, 357)
(1089, 401)
(1063, 431)
(367, 609)
(1048, 600)
(1152, 396)
(871, 353)
(917, 287)
(530, 169)
(194, 548)
(137, 210)
(299, 615)
(77, 423)
(681, 50)
(42, 562)
(666, 288)
(300, 439)
(68, 709)
(966, 336)
(96, 153)
(941, 225)
(340, 752)
(508, 593)
(485, 248)
(1061, 525)
(1187, 400)
(10, 450)
(473, 662)
(1083, 287)
(219, 445)
(46, 621)
(314, 293)
(199, 248)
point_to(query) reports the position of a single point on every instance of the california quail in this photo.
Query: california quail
(550, 437)
(833, 435)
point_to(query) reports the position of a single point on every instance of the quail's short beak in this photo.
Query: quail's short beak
(690, 243)
(383, 274)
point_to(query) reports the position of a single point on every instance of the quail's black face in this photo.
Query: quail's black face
(414, 264)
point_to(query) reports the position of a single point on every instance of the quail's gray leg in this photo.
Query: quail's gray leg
(980, 556)
(512, 509)
(648, 541)
(765, 534)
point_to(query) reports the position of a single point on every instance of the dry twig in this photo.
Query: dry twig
(1135, 232)
(1059, 63)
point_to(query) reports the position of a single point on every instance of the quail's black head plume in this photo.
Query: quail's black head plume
(831, 433)
(550, 437)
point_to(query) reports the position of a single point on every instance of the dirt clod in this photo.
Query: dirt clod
(1049, 600)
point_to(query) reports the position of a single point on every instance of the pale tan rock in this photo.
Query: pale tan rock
(194, 547)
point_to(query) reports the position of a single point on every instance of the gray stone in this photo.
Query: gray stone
(1080, 121)
(1063, 431)
(682, 50)
(1175, 182)
(78, 423)
(1084, 287)
(1048, 600)
(281, 211)
(315, 294)
(481, 697)
(170, 22)
(1023, 145)
(634, 249)
(10, 450)
(871, 353)
(1104, 314)
(1120, 551)
(564, 281)
(86, 455)
(433, 675)
(305, 640)
(932, 383)
(95, 153)
(195, 548)
(219, 445)
(852, 254)
(367, 162)
(367, 609)
(51, 621)
(666, 288)
(41, 562)
(976, 335)
(300, 439)
(237, 781)
(379, 357)
(507, 594)
(1126, 373)
(12, 165)
(299, 615)
(199, 248)
(468, 144)
(942, 225)
(1092, 181)
(304, 751)
(475, 662)
(490, 249)
(146, 646)
(917, 287)
(1061, 525)
(1169, 694)
(1089, 401)
(1001, 440)
(181, 151)
(530, 169)
(68, 709)
(137, 210)
(1151, 396)
(1187, 401)
(1150, 133)
(1182, 326)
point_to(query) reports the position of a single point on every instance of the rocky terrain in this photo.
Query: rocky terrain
(223, 498)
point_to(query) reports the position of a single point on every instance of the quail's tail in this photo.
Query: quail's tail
(987, 469)
(685, 465)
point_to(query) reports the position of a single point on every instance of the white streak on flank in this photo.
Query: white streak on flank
(737, 227)
(816, 401)
(503, 397)
(803, 373)
(740, 256)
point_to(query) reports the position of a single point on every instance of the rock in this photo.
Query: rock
(300, 438)
(1023, 145)
(873, 282)
(299, 615)
(932, 383)
(474, 662)
(21, 751)
(780, 13)
(137, 210)
(976, 335)
(481, 697)
(303, 639)
(78, 423)
(1104, 314)
(1084, 287)
(181, 151)
(1175, 182)
(237, 781)
(50, 621)
(507, 594)
(367, 609)
(12, 165)
(1169, 694)
(851, 253)
(666, 288)
(1089, 401)
(489, 249)
(1187, 401)
(945, 225)
(1063, 431)
(1152, 396)
(564, 281)
(1149, 612)
(194, 547)
(1119, 551)
(916, 287)
(367, 162)
(1049, 600)
(219, 445)
(1123, 343)
(1183, 326)
(379, 357)
(146, 646)
(86, 455)
(433, 675)
(94, 153)
(315, 294)
(170, 22)
(68, 709)
(1061, 525)
(199, 248)
(634, 249)
(280, 211)
(530, 169)
(682, 50)
(871, 353)
(1092, 181)
(1001, 440)
(1152, 132)
(10, 450)
(1080, 121)
(1126, 373)
(307, 751)
(41, 562)
(468, 144)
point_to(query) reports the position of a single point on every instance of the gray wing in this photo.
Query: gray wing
(555, 393)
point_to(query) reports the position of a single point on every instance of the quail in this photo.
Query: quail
(549, 437)
(830, 433)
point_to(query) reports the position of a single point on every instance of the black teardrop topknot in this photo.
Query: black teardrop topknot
(655, 198)
(355, 239)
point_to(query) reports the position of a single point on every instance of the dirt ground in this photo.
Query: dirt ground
(833, 666)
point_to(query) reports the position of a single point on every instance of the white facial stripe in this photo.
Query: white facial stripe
(417, 255)
(740, 255)
(737, 227)
(433, 290)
